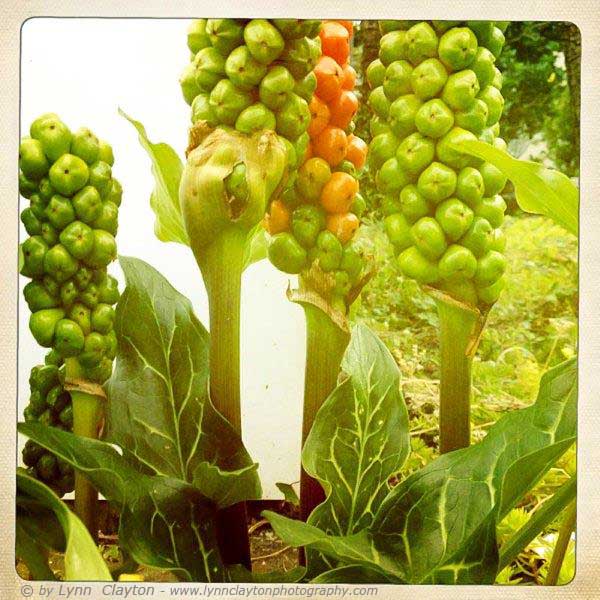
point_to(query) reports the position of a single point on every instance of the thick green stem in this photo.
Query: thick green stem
(457, 327)
(560, 550)
(326, 343)
(221, 264)
(86, 413)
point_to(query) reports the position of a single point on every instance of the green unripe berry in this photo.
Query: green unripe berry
(32, 224)
(428, 236)
(87, 204)
(391, 177)
(457, 262)
(85, 145)
(60, 211)
(286, 253)
(402, 114)
(42, 324)
(491, 293)
(470, 186)
(474, 118)
(437, 182)
(103, 317)
(81, 315)
(392, 47)
(104, 250)
(34, 250)
(68, 293)
(32, 160)
(90, 296)
(108, 219)
(434, 119)
(38, 297)
(243, 69)
(78, 239)
(60, 264)
(398, 230)
(379, 103)
(460, 89)
(53, 134)
(421, 42)
(457, 48)
(448, 148)
(479, 236)
(483, 66)
(493, 179)
(397, 80)
(376, 73)
(416, 266)
(454, 217)
(94, 349)
(492, 209)
(495, 102)
(490, 267)
(415, 153)
(428, 78)
(69, 174)
(100, 177)
(413, 204)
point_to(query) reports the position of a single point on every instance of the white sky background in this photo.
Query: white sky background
(84, 69)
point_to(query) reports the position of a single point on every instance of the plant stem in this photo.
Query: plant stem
(326, 343)
(456, 333)
(564, 536)
(86, 412)
(221, 264)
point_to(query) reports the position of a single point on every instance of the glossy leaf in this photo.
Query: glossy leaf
(538, 190)
(439, 524)
(359, 438)
(167, 169)
(83, 561)
(289, 493)
(165, 523)
(159, 409)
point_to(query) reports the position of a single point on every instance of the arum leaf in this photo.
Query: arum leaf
(538, 190)
(83, 561)
(164, 523)
(289, 493)
(359, 438)
(167, 169)
(159, 408)
(439, 524)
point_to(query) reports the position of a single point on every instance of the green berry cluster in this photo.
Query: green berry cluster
(71, 220)
(253, 75)
(436, 84)
(49, 404)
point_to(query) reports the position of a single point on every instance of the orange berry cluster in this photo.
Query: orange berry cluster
(317, 219)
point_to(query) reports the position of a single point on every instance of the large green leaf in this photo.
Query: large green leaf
(38, 510)
(359, 438)
(159, 408)
(439, 525)
(167, 169)
(538, 190)
(165, 523)
(434, 520)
